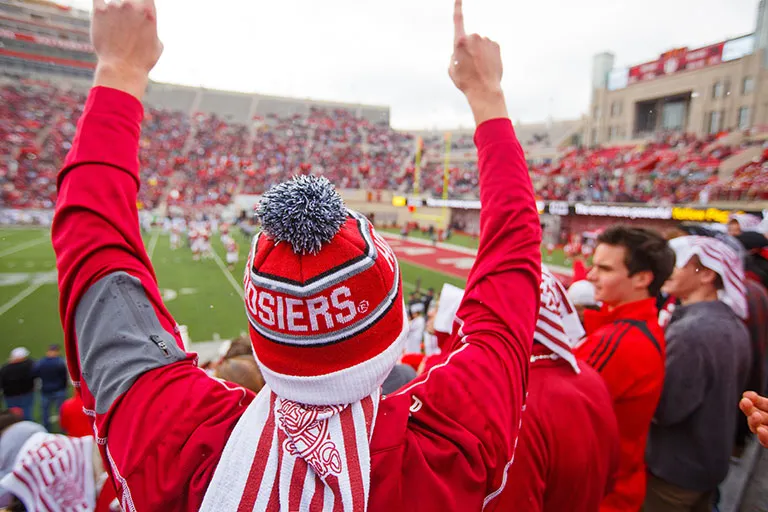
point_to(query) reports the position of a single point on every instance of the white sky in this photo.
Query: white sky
(396, 52)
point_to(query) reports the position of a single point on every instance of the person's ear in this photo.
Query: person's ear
(707, 276)
(642, 280)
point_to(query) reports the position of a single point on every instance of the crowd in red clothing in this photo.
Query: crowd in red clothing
(203, 160)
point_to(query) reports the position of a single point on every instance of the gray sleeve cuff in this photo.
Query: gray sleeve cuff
(119, 337)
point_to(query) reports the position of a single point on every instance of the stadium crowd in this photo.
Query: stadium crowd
(207, 159)
(620, 394)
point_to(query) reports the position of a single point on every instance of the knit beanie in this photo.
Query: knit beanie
(323, 295)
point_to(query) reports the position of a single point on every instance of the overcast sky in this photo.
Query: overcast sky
(396, 52)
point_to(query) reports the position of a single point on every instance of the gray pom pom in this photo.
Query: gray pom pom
(306, 212)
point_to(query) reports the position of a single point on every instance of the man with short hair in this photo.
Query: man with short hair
(52, 372)
(625, 344)
(708, 361)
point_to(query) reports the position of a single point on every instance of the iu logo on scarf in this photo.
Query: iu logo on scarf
(309, 436)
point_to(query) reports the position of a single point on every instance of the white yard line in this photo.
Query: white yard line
(153, 244)
(228, 274)
(23, 246)
(20, 297)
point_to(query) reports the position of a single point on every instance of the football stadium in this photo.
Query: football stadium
(266, 230)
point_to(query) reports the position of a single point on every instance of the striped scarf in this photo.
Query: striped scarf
(283, 456)
(54, 473)
(558, 327)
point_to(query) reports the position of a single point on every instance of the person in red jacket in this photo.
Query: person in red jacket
(325, 309)
(74, 422)
(625, 345)
(568, 452)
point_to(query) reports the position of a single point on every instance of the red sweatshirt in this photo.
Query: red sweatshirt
(626, 346)
(443, 443)
(568, 453)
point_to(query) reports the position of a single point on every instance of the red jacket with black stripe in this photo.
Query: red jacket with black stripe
(626, 346)
(444, 443)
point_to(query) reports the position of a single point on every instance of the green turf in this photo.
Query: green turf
(558, 255)
(459, 239)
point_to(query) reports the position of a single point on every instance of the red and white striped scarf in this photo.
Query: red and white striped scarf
(557, 327)
(284, 456)
(54, 473)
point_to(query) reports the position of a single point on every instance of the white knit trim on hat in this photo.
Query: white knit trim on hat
(341, 387)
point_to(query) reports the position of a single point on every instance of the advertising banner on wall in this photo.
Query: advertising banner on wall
(675, 61)
(617, 211)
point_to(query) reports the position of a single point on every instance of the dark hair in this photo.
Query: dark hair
(646, 250)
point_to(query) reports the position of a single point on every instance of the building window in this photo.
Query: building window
(715, 122)
(596, 112)
(717, 90)
(743, 118)
(673, 116)
(613, 134)
(616, 109)
(747, 86)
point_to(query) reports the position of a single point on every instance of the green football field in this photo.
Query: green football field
(203, 295)
(557, 257)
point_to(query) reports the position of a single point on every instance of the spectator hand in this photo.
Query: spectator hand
(124, 35)
(476, 70)
(755, 407)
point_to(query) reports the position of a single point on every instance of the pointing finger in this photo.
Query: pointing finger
(458, 22)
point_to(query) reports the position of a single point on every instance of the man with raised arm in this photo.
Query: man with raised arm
(324, 304)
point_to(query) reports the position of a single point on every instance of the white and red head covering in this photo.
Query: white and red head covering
(54, 473)
(558, 327)
(324, 301)
(718, 257)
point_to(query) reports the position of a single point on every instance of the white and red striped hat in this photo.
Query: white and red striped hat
(558, 326)
(718, 257)
(323, 296)
(54, 473)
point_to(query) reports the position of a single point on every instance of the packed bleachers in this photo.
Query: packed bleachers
(204, 159)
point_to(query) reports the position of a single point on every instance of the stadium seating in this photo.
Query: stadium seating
(204, 159)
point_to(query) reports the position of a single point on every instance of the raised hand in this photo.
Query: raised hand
(124, 35)
(755, 408)
(476, 70)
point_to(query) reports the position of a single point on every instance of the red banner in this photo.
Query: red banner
(48, 41)
(677, 60)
